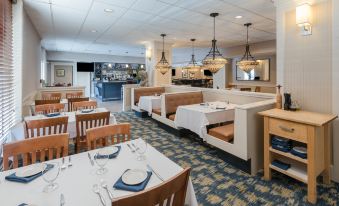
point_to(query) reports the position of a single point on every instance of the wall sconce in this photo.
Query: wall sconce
(303, 18)
(149, 54)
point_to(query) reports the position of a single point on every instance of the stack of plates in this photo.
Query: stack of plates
(30, 170)
(300, 152)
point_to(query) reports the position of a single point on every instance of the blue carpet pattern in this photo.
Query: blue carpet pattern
(218, 183)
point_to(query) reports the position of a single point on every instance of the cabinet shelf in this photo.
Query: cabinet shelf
(294, 171)
(289, 155)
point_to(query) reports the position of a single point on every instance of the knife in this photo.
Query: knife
(90, 159)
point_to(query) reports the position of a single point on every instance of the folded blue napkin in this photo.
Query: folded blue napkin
(120, 185)
(281, 148)
(281, 164)
(111, 156)
(14, 178)
(87, 111)
(53, 114)
(23, 204)
(281, 141)
(299, 154)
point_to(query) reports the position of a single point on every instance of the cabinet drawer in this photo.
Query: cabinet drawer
(288, 129)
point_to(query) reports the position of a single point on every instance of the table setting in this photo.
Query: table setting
(92, 178)
(196, 117)
(18, 133)
(148, 103)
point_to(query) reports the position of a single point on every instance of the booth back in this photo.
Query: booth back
(173, 100)
(147, 91)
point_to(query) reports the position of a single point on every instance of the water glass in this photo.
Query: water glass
(101, 161)
(141, 147)
(50, 175)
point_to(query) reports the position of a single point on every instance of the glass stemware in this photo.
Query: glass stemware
(141, 147)
(101, 161)
(50, 175)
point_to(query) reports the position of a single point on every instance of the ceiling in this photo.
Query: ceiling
(84, 26)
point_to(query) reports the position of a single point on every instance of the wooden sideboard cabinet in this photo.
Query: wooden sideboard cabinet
(303, 128)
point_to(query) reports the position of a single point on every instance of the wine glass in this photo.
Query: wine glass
(50, 174)
(141, 147)
(101, 161)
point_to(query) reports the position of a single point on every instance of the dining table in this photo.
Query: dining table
(76, 181)
(196, 117)
(18, 131)
(148, 103)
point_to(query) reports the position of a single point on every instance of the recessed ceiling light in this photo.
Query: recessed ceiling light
(94, 31)
(238, 17)
(108, 10)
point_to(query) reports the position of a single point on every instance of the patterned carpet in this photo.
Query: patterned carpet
(218, 183)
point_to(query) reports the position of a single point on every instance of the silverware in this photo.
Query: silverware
(69, 161)
(132, 150)
(136, 148)
(97, 191)
(63, 166)
(104, 185)
(90, 159)
(62, 200)
(152, 170)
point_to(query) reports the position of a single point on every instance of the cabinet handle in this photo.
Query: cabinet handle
(286, 129)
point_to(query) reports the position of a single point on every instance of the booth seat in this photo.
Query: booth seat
(174, 100)
(136, 93)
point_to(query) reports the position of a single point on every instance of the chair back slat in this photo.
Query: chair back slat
(84, 105)
(115, 133)
(87, 121)
(74, 95)
(172, 191)
(46, 101)
(51, 95)
(49, 108)
(30, 148)
(72, 100)
(48, 126)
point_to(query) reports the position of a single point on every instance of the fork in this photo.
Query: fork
(132, 150)
(69, 162)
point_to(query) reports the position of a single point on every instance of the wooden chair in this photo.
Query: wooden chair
(108, 135)
(72, 100)
(87, 121)
(42, 127)
(52, 95)
(46, 101)
(84, 105)
(49, 108)
(173, 190)
(36, 149)
(74, 95)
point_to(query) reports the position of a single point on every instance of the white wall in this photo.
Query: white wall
(306, 65)
(27, 58)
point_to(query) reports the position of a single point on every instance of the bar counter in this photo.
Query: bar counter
(111, 90)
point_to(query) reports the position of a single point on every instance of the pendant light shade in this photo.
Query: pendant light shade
(163, 66)
(193, 66)
(247, 62)
(214, 61)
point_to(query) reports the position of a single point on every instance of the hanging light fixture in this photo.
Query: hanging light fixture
(193, 66)
(214, 61)
(163, 66)
(247, 62)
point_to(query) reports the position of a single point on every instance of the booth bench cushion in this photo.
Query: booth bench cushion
(225, 132)
(157, 111)
(171, 117)
(146, 91)
(173, 100)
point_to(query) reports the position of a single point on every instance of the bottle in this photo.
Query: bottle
(278, 103)
(288, 101)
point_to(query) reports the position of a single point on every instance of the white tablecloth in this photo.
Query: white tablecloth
(196, 117)
(148, 103)
(76, 182)
(18, 133)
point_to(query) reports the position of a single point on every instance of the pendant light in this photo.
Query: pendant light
(193, 66)
(214, 61)
(163, 66)
(247, 62)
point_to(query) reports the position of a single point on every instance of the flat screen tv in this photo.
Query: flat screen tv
(85, 66)
(208, 73)
(173, 72)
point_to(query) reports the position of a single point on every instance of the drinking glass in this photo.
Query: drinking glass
(50, 176)
(101, 161)
(141, 147)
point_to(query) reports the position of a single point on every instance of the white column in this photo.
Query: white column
(153, 56)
